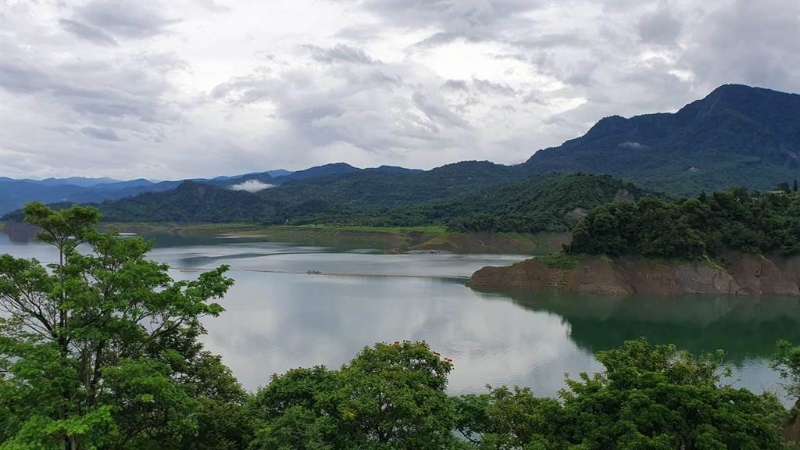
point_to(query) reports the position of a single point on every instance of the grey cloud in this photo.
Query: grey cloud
(340, 54)
(470, 20)
(104, 134)
(126, 19)
(451, 14)
(21, 79)
(437, 112)
(752, 43)
(582, 74)
(87, 32)
(552, 40)
(489, 87)
(245, 90)
(661, 27)
(164, 62)
(446, 37)
(455, 85)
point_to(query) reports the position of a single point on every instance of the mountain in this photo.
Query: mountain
(736, 136)
(15, 193)
(75, 181)
(538, 203)
(320, 171)
(344, 188)
(190, 202)
(279, 173)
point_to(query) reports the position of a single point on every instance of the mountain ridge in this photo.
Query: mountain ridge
(736, 136)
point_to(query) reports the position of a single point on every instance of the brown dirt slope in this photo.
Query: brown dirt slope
(742, 274)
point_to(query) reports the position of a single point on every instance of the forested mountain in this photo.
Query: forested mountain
(540, 203)
(738, 136)
(537, 203)
(348, 191)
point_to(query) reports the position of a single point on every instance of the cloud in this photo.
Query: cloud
(104, 134)
(340, 54)
(251, 186)
(455, 85)
(632, 145)
(660, 27)
(87, 32)
(125, 19)
(195, 89)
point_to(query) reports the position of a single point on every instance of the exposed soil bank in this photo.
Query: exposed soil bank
(391, 240)
(523, 244)
(739, 273)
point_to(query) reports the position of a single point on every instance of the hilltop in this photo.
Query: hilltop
(737, 136)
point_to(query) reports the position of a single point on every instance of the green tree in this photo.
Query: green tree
(648, 397)
(388, 397)
(787, 362)
(99, 350)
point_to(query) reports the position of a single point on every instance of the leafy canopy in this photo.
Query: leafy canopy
(99, 350)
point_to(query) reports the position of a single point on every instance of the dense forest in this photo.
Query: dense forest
(544, 203)
(529, 205)
(101, 351)
(694, 228)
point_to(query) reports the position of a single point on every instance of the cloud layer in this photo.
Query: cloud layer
(177, 90)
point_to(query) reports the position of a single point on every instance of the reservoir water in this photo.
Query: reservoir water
(296, 306)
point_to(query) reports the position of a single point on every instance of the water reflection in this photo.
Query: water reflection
(278, 317)
(278, 321)
(745, 327)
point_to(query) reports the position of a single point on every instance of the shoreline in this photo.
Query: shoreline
(391, 240)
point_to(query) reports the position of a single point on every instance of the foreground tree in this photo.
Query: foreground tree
(648, 397)
(99, 350)
(388, 397)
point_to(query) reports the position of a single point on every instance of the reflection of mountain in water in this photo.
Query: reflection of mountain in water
(745, 327)
(19, 232)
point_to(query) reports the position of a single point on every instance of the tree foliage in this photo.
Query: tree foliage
(648, 397)
(99, 350)
(388, 397)
(693, 228)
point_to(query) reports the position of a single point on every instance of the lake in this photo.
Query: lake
(296, 305)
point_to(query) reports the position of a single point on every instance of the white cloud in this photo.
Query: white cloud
(251, 186)
(185, 90)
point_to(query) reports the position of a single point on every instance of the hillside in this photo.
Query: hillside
(301, 195)
(538, 203)
(736, 136)
(544, 203)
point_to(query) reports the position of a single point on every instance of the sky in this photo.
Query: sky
(170, 90)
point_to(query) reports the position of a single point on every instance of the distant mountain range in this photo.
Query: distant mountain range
(736, 136)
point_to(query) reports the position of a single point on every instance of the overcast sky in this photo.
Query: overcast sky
(173, 90)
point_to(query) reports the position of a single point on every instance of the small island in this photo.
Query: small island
(732, 242)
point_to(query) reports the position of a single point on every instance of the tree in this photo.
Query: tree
(648, 397)
(388, 397)
(99, 350)
(786, 362)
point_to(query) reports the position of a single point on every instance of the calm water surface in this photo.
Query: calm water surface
(279, 316)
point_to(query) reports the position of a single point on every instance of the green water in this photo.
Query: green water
(279, 316)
